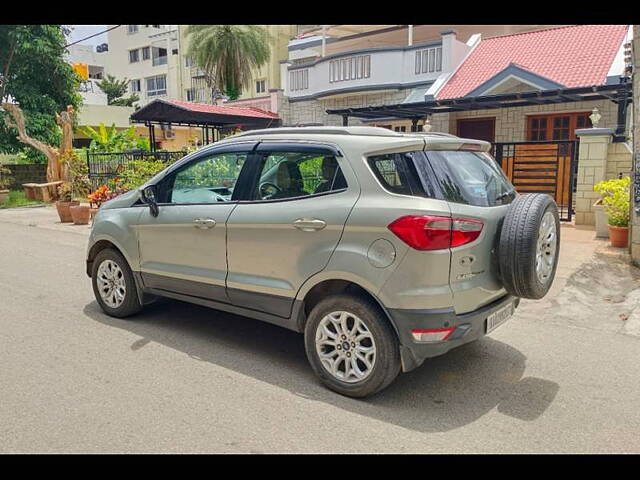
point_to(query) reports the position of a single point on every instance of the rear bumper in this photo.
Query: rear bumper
(468, 327)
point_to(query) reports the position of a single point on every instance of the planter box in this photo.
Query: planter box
(602, 225)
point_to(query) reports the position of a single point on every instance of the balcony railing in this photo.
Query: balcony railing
(159, 61)
(366, 69)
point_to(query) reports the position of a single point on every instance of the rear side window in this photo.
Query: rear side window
(473, 178)
(397, 173)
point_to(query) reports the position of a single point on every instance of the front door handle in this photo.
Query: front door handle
(309, 225)
(204, 223)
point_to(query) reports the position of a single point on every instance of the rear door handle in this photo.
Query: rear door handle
(307, 225)
(204, 223)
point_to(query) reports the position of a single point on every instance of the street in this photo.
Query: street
(560, 376)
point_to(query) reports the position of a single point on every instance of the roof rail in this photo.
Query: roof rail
(365, 131)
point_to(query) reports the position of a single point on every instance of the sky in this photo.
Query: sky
(82, 31)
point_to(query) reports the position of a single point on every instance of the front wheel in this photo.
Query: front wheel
(113, 284)
(351, 346)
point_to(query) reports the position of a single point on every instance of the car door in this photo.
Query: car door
(298, 203)
(183, 249)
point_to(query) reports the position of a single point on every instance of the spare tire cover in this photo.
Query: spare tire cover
(529, 246)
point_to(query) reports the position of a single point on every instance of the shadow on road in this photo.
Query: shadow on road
(445, 393)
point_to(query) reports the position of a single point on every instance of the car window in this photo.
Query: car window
(396, 172)
(297, 174)
(473, 178)
(207, 180)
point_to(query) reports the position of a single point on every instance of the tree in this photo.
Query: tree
(228, 53)
(115, 90)
(109, 139)
(35, 76)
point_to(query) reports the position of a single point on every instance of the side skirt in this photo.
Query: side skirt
(288, 323)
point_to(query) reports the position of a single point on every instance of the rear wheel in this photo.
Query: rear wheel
(351, 346)
(113, 284)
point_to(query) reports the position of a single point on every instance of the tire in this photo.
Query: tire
(385, 361)
(519, 246)
(130, 304)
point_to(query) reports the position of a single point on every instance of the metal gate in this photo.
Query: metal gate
(542, 167)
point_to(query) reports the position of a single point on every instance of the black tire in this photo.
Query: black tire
(518, 245)
(387, 358)
(131, 303)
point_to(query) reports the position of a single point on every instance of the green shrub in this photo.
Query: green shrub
(616, 200)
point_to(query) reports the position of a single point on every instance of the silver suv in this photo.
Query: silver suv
(384, 248)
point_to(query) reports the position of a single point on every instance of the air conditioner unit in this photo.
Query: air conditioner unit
(168, 132)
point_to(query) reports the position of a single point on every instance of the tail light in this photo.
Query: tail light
(431, 232)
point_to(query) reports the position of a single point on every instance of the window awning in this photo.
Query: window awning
(204, 115)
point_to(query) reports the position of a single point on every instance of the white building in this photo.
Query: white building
(148, 56)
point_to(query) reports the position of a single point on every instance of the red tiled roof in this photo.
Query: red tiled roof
(222, 110)
(574, 56)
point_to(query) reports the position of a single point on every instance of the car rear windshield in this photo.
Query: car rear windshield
(472, 178)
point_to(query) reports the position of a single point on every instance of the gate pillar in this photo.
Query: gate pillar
(592, 167)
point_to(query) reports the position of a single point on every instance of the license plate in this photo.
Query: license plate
(499, 317)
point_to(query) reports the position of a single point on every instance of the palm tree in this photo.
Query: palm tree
(228, 53)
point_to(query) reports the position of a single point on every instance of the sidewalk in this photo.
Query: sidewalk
(45, 217)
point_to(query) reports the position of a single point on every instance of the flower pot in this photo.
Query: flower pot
(619, 236)
(63, 210)
(80, 214)
(92, 212)
(4, 196)
(602, 220)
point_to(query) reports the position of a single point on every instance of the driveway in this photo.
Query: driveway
(561, 376)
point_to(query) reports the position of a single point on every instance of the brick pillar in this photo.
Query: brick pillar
(592, 167)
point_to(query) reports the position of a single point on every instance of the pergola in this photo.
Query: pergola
(212, 119)
(620, 93)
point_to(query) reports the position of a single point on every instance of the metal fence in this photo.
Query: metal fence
(104, 167)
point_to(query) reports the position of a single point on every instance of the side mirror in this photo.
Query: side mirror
(149, 197)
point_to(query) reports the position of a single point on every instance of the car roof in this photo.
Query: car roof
(360, 135)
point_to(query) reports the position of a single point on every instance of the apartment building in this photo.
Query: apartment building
(92, 62)
(342, 66)
(147, 55)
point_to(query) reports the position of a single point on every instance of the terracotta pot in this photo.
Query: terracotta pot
(4, 195)
(619, 236)
(92, 212)
(63, 210)
(80, 214)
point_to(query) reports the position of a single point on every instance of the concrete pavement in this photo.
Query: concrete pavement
(561, 376)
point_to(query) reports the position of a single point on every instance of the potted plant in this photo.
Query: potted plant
(616, 198)
(80, 186)
(5, 181)
(65, 201)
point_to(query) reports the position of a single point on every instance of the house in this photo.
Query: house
(533, 94)
(352, 66)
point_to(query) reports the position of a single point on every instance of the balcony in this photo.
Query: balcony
(365, 69)
(155, 61)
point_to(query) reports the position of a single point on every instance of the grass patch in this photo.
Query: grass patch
(17, 198)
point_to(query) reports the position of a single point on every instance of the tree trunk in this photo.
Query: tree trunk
(53, 154)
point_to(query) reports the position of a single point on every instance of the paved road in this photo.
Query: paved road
(561, 376)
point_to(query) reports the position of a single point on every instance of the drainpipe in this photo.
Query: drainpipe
(410, 35)
(324, 40)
